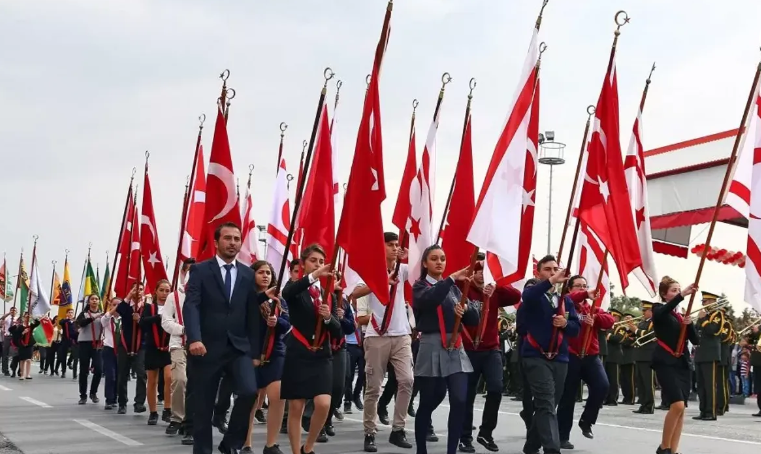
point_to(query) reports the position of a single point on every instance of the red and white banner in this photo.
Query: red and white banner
(249, 233)
(279, 223)
(150, 251)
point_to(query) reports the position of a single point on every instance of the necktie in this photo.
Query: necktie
(228, 281)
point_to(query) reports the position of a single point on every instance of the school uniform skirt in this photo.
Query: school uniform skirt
(157, 359)
(433, 360)
(269, 372)
(675, 381)
(305, 375)
(25, 353)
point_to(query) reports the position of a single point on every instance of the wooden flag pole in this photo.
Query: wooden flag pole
(31, 270)
(719, 203)
(52, 285)
(18, 277)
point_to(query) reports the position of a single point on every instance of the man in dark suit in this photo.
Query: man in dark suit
(221, 314)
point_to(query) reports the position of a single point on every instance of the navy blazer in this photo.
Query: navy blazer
(211, 319)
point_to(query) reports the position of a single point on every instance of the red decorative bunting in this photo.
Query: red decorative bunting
(721, 255)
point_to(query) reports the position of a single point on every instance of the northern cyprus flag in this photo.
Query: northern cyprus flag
(39, 300)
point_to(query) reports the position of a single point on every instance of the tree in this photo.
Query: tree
(624, 303)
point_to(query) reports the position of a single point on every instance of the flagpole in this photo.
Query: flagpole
(719, 202)
(52, 285)
(31, 269)
(121, 232)
(223, 96)
(283, 127)
(590, 114)
(186, 201)
(18, 277)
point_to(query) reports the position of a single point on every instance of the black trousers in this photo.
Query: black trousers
(589, 370)
(89, 356)
(6, 353)
(207, 373)
(516, 373)
(356, 361)
(63, 355)
(187, 423)
(708, 387)
(125, 363)
(50, 358)
(645, 385)
(547, 380)
(611, 370)
(722, 378)
(224, 397)
(486, 364)
(757, 385)
(340, 357)
(626, 380)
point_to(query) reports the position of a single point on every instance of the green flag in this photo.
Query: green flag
(23, 288)
(91, 282)
(104, 286)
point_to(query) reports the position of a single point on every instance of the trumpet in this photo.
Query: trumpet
(626, 322)
(710, 307)
(644, 340)
(752, 324)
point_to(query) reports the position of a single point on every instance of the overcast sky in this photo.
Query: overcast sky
(86, 86)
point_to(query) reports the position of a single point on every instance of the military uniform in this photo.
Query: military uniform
(707, 359)
(755, 363)
(643, 356)
(613, 336)
(727, 341)
(626, 376)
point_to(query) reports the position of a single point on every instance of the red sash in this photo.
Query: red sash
(443, 327)
(26, 338)
(136, 333)
(271, 340)
(663, 345)
(97, 343)
(314, 292)
(178, 311)
(557, 337)
(357, 333)
(113, 332)
(161, 342)
(388, 312)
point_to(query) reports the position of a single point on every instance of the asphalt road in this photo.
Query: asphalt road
(41, 416)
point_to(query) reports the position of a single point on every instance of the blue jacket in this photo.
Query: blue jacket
(282, 327)
(537, 313)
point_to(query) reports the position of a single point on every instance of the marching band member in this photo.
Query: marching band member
(486, 359)
(755, 363)
(627, 372)
(108, 355)
(23, 338)
(548, 321)
(308, 373)
(172, 322)
(671, 366)
(707, 358)
(588, 368)
(441, 368)
(130, 356)
(157, 358)
(90, 342)
(727, 341)
(614, 337)
(387, 341)
(270, 372)
(643, 355)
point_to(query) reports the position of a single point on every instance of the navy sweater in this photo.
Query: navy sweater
(427, 298)
(283, 324)
(537, 321)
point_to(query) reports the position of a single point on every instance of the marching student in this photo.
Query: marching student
(130, 355)
(157, 358)
(342, 311)
(24, 341)
(486, 359)
(587, 367)
(109, 352)
(643, 355)
(671, 366)
(527, 400)
(441, 369)
(550, 318)
(90, 341)
(269, 372)
(50, 350)
(356, 354)
(6, 321)
(172, 322)
(308, 372)
(69, 334)
(387, 341)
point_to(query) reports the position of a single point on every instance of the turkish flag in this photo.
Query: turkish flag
(121, 275)
(153, 262)
(361, 228)
(604, 205)
(193, 227)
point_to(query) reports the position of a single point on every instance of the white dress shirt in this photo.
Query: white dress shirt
(170, 321)
(233, 273)
(109, 330)
(402, 320)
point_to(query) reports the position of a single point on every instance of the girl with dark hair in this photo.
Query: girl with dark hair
(157, 357)
(50, 351)
(671, 361)
(440, 368)
(273, 327)
(90, 341)
(24, 340)
(308, 372)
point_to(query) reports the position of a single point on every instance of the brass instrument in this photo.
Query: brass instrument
(626, 322)
(709, 307)
(646, 339)
(758, 345)
(752, 324)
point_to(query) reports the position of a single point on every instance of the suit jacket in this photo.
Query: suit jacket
(709, 328)
(210, 318)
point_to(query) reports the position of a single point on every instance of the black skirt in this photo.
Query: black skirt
(25, 353)
(675, 381)
(269, 372)
(157, 359)
(305, 377)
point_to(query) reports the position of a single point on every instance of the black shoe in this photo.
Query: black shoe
(322, 437)
(166, 415)
(139, 408)
(122, 410)
(411, 410)
(706, 417)
(399, 438)
(304, 452)
(757, 415)
(82, 401)
(246, 450)
(663, 451)
(329, 430)
(259, 416)
(662, 407)
(224, 449)
(187, 440)
(94, 398)
(74, 377)
(274, 449)
(358, 404)
(612, 403)
(487, 442)
(220, 424)
(431, 437)
(586, 429)
(173, 428)
(337, 413)
(370, 443)
(383, 416)
(466, 446)
(63, 375)
(516, 398)
(153, 418)
(347, 408)
(109, 407)
(566, 445)
(643, 411)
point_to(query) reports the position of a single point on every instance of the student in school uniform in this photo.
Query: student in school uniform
(108, 354)
(69, 336)
(130, 353)
(90, 341)
(22, 337)
(157, 359)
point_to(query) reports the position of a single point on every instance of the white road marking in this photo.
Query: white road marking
(109, 433)
(642, 429)
(35, 402)
(3, 388)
